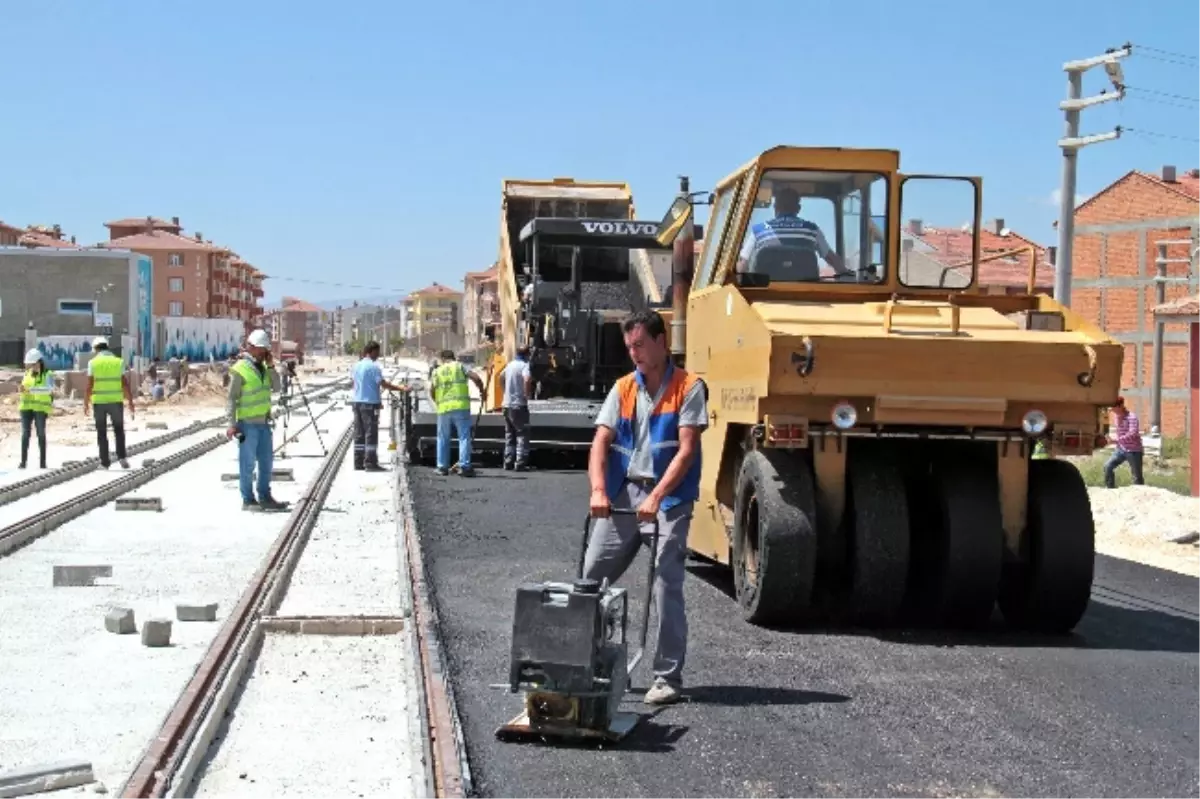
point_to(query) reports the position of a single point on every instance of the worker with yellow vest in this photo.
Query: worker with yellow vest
(252, 378)
(107, 388)
(37, 399)
(449, 391)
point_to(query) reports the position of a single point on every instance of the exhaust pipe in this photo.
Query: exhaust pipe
(682, 270)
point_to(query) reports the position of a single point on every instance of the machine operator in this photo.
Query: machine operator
(787, 229)
(645, 457)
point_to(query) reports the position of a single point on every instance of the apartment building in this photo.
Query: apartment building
(192, 275)
(433, 319)
(480, 307)
(306, 324)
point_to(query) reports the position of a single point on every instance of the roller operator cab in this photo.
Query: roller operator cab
(873, 411)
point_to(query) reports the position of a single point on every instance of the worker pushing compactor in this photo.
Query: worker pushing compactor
(646, 458)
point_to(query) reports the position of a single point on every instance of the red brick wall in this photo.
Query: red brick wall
(1113, 256)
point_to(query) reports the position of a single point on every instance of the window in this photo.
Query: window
(175, 284)
(175, 259)
(802, 218)
(175, 308)
(77, 307)
(714, 234)
(933, 256)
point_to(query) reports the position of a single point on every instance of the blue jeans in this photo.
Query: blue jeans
(1120, 456)
(461, 420)
(257, 448)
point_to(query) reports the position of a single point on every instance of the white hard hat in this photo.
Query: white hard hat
(99, 341)
(32, 357)
(259, 338)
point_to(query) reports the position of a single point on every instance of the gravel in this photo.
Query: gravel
(69, 688)
(1109, 711)
(1144, 511)
(319, 716)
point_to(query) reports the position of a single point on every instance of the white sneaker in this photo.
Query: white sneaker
(661, 693)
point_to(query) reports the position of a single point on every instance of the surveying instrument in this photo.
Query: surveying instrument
(290, 378)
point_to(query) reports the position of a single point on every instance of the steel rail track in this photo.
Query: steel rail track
(23, 488)
(165, 767)
(20, 533)
(156, 772)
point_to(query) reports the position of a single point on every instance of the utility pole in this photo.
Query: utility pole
(1071, 144)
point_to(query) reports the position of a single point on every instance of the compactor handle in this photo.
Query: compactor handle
(1087, 378)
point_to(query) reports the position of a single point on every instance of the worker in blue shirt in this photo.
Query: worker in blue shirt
(789, 230)
(367, 400)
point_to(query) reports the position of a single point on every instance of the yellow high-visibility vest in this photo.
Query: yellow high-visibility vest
(450, 388)
(107, 374)
(255, 399)
(37, 396)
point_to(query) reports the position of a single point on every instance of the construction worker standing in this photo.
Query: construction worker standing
(37, 399)
(251, 380)
(517, 381)
(367, 402)
(645, 458)
(449, 392)
(107, 386)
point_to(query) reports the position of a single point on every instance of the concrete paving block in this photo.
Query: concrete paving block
(156, 632)
(282, 475)
(46, 777)
(230, 477)
(147, 462)
(156, 425)
(139, 503)
(120, 621)
(190, 611)
(79, 575)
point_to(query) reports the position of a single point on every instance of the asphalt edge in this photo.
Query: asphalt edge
(449, 770)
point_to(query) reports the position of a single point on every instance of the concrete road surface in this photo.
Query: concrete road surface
(1112, 710)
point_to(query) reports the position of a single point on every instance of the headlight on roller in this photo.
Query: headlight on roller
(1034, 423)
(844, 416)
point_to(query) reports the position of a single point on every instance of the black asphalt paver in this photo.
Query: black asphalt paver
(1111, 710)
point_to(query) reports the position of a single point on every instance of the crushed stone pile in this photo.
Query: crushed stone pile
(1146, 512)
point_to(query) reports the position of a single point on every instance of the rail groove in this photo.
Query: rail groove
(449, 768)
(166, 767)
(18, 534)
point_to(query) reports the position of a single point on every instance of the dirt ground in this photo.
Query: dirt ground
(1136, 522)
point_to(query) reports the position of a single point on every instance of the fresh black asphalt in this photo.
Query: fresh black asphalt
(1109, 711)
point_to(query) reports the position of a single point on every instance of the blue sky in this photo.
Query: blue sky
(363, 143)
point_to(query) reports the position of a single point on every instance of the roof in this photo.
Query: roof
(435, 289)
(302, 306)
(36, 238)
(1187, 184)
(160, 240)
(141, 221)
(1184, 306)
(950, 246)
(487, 274)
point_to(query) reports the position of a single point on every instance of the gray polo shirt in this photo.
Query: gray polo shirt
(693, 413)
(513, 375)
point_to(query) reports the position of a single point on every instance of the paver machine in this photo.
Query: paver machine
(574, 262)
(868, 454)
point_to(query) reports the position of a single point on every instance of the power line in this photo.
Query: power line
(328, 283)
(1163, 98)
(1169, 53)
(1155, 134)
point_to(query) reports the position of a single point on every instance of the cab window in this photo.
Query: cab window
(812, 226)
(714, 233)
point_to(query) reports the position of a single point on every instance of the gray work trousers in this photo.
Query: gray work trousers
(612, 548)
(366, 434)
(516, 435)
(109, 413)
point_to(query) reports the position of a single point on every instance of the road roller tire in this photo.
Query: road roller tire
(1048, 589)
(774, 537)
(877, 533)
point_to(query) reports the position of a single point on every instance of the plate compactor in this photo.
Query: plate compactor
(569, 653)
